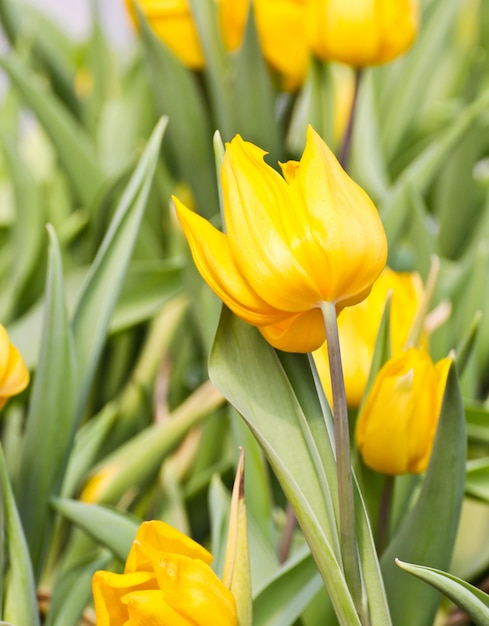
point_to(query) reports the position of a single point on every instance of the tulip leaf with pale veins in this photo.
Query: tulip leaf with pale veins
(106, 276)
(470, 599)
(18, 586)
(425, 538)
(111, 528)
(50, 425)
(75, 149)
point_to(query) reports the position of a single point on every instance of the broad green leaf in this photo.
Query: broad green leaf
(104, 282)
(190, 130)
(19, 588)
(108, 527)
(274, 414)
(283, 598)
(50, 426)
(421, 538)
(72, 591)
(75, 149)
(469, 598)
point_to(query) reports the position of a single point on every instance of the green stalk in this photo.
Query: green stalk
(348, 541)
(346, 145)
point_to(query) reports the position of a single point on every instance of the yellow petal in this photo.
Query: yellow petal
(16, 375)
(194, 591)
(298, 333)
(109, 589)
(4, 350)
(154, 538)
(149, 607)
(212, 256)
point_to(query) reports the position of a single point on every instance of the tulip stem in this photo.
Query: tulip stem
(382, 534)
(348, 541)
(346, 146)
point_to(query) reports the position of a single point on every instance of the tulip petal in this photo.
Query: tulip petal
(16, 375)
(154, 538)
(212, 256)
(109, 589)
(298, 333)
(4, 351)
(195, 592)
(146, 608)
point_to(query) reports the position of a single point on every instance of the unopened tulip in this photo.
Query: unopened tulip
(291, 242)
(14, 376)
(167, 581)
(397, 424)
(361, 32)
(358, 327)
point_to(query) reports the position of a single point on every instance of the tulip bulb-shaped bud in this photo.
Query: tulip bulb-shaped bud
(361, 32)
(397, 424)
(14, 375)
(292, 242)
(167, 581)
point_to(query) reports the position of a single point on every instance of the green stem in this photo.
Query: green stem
(382, 534)
(346, 146)
(349, 548)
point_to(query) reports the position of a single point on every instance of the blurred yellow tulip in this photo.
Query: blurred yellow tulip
(358, 327)
(361, 32)
(291, 243)
(167, 580)
(14, 375)
(397, 424)
(280, 25)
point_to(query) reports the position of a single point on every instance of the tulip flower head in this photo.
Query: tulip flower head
(397, 424)
(14, 375)
(167, 581)
(291, 242)
(361, 32)
(281, 30)
(358, 327)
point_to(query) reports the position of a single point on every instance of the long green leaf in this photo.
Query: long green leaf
(469, 598)
(19, 601)
(104, 282)
(421, 538)
(75, 149)
(273, 412)
(50, 423)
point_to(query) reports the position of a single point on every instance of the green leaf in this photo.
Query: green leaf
(75, 149)
(469, 598)
(283, 598)
(274, 414)
(109, 527)
(50, 426)
(104, 281)
(477, 479)
(72, 591)
(190, 130)
(19, 588)
(477, 422)
(421, 538)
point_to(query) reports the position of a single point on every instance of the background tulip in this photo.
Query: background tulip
(280, 25)
(14, 376)
(167, 580)
(291, 243)
(361, 32)
(358, 327)
(397, 424)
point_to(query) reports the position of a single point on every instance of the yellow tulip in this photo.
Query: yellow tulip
(280, 26)
(167, 580)
(397, 424)
(361, 32)
(358, 327)
(291, 243)
(14, 376)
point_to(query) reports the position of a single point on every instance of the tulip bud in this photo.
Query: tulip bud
(14, 375)
(397, 424)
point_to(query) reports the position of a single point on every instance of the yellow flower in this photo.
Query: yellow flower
(280, 26)
(397, 425)
(361, 32)
(358, 327)
(14, 376)
(167, 581)
(291, 243)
